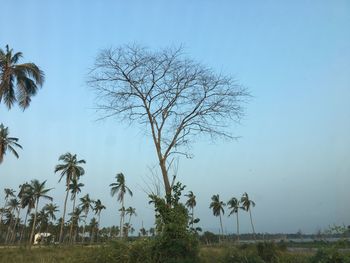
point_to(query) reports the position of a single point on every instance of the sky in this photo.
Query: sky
(293, 154)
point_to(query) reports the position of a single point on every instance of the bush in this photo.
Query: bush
(267, 251)
(242, 256)
(329, 255)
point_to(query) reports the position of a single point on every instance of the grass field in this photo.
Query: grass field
(224, 253)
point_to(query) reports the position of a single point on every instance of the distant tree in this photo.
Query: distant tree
(98, 208)
(27, 200)
(218, 208)
(70, 168)
(39, 191)
(75, 188)
(51, 210)
(18, 82)
(119, 188)
(176, 98)
(7, 143)
(191, 203)
(131, 211)
(13, 205)
(234, 206)
(85, 205)
(247, 204)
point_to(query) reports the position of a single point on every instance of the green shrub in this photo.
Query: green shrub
(140, 251)
(175, 241)
(267, 251)
(241, 256)
(329, 255)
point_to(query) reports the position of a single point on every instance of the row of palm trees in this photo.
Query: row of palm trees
(234, 205)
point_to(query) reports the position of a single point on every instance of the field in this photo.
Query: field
(137, 252)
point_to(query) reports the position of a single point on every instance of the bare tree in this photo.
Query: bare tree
(175, 97)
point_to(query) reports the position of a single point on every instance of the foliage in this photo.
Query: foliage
(267, 251)
(175, 241)
(329, 255)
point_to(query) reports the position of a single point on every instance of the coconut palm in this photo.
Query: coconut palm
(234, 206)
(98, 208)
(86, 204)
(8, 193)
(70, 168)
(7, 143)
(75, 188)
(50, 210)
(27, 200)
(131, 211)
(22, 196)
(119, 188)
(247, 204)
(218, 208)
(39, 191)
(18, 82)
(75, 218)
(191, 203)
(13, 205)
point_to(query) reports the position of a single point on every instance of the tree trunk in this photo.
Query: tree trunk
(222, 229)
(83, 237)
(98, 227)
(14, 227)
(34, 222)
(167, 186)
(237, 227)
(9, 228)
(71, 225)
(24, 226)
(63, 217)
(251, 221)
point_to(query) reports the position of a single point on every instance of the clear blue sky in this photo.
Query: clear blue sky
(294, 155)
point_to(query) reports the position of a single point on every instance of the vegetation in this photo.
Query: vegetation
(18, 82)
(7, 143)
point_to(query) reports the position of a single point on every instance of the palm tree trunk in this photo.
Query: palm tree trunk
(98, 226)
(63, 217)
(83, 237)
(251, 221)
(14, 227)
(71, 225)
(34, 222)
(222, 230)
(24, 226)
(237, 227)
(121, 219)
(192, 216)
(9, 228)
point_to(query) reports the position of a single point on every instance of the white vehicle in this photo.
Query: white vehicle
(42, 238)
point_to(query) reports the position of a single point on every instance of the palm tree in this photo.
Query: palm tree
(75, 188)
(234, 206)
(50, 209)
(39, 191)
(27, 200)
(13, 206)
(86, 204)
(75, 218)
(98, 208)
(218, 208)
(18, 82)
(70, 169)
(247, 204)
(131, 211)
(22, 196)
(120, 189)
(8, 193)
(191, 203)
(7, 143)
